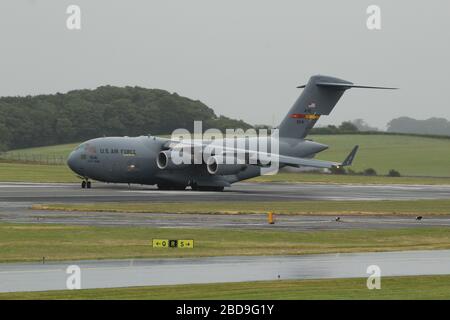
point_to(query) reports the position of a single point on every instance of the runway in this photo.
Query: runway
(17, 198)
(20, 213)
(127, 273)
(41, 193)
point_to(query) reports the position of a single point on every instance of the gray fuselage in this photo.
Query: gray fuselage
(134, 160)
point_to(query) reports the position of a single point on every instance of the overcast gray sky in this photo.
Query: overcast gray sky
(242, 58)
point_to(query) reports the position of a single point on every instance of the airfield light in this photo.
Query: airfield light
(270, 218)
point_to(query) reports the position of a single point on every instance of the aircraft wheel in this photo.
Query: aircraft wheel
(88, 184)
(172, 187)
(218, 189)
(83, 184)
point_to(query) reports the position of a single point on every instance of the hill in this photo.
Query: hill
(106, 111)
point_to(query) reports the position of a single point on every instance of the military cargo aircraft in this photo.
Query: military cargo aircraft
(149, 160)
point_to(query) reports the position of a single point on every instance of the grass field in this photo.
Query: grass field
(20, 172)
(411, 155)
(420, 160)
(395, 207)
(32, 242)
(58, 150)
(402, 288)
(26, 172)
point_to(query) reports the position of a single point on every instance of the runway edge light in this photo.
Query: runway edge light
(270, 218)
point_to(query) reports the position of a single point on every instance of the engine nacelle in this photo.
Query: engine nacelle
(164, 161)
(220, 166)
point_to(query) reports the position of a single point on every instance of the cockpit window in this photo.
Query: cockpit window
(80, 146)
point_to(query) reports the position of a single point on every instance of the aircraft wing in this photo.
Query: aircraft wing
(282, 159)
(303, 162)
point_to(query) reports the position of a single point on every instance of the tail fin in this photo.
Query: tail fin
(319, 97)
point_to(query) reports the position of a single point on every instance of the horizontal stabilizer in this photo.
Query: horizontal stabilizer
(348, 86)
(345, 86)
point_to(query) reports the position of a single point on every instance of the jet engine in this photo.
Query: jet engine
(164, 161)
(223, 166)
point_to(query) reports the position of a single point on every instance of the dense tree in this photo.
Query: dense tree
(347, 126)
(363, 125)
(106, 111)
(330, 129)
(344, 127)
(432, 126)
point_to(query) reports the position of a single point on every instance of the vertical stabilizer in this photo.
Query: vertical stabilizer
(316, 99)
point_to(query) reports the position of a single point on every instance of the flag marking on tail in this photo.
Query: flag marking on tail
(305, 116)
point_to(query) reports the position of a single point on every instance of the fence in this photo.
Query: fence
(50, 159)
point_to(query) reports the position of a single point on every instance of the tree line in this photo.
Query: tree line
(106, 111)
(432, 126)
(131, 111)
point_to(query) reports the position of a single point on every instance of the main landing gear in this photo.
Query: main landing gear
(194, 187)
(171, 187)
(85, 184)
(204, 188)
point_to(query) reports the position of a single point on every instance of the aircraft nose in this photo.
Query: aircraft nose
(71, 161)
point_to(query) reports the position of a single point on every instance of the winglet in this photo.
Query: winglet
(348, 161)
